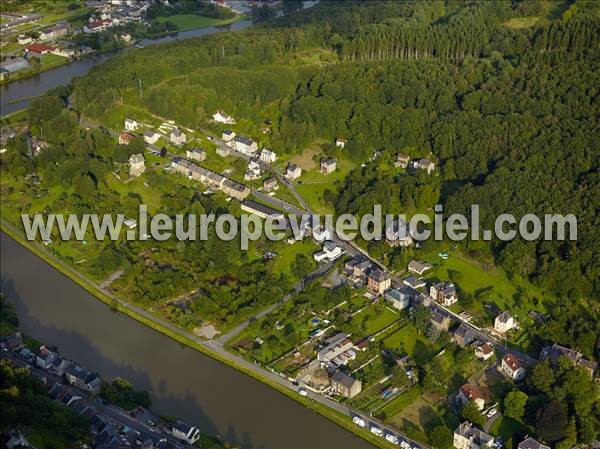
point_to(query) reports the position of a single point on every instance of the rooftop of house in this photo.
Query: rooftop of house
(245, 140)
(485, 348)
(504, 317)
(512, 362)
(417, 265)
(471, 392)
(379, 276)
(477, 436)
(343, 379)
(530, 443)
(437, 317)
(136, 158)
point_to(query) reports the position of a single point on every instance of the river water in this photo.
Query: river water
(16, 95)
(182, 382)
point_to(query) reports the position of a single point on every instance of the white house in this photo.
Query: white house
(293, 172)
(468, 437)
(470, 393)
(228, 135)
(196, 154)
(424, 164)
(504, 322)
(512, 367)
(245, 145)
(484, 351)
(222, 117)
(268, 156)
(331, 250)
(23, 39)
(136, 164)
(400, 297)
(340, 142)
(177, 137)
(253, 171)
(185, 432)
(151, 137)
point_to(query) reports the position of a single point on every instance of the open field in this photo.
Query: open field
(186, 22)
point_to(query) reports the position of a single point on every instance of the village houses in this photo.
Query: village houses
(439, 321)
(196, 154)
(222, 117)
(418, 267)
(345, 385)
(504, 322)
(151, 137)
(131, 125)
(484, 351)
(401, 160)
(292, 172)
(512, 367)
(328, 165)
(177, 137)
(136, 164)
(125, 138)
(424, 164)
(463, 335)
(443, 293)
(556, 351)
(397, 234)
(466, 436)
(244, 145)
(268, 156)
(531, 443)
(379, 281)
(470, 393)
(228, 135)
(270, 184)
(400, 297)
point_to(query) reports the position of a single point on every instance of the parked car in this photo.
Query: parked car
(391, 438)
(491, 413)
(302, 392)
(377, 431)
(359, 421)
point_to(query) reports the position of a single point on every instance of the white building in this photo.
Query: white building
(177, 137)
(253, 171)
(424, 164)
(468, 437)
(504, 322)
(136, 164)
(131, 125)
(321, 234)
(340, 142)
(293, 172)
(512, 367)
(400, 297)
(151, 137)
(222, 117)
(228, 135)
(23, 39)
(196, 154)
(268, 156)
(244, 145)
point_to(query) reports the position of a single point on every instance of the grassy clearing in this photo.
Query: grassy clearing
(517, 23)
(187, 22)
(374, 320)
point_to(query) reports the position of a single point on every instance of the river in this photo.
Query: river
(25, 89)
(182, 382)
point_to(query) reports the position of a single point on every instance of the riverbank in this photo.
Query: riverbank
(167, 329)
